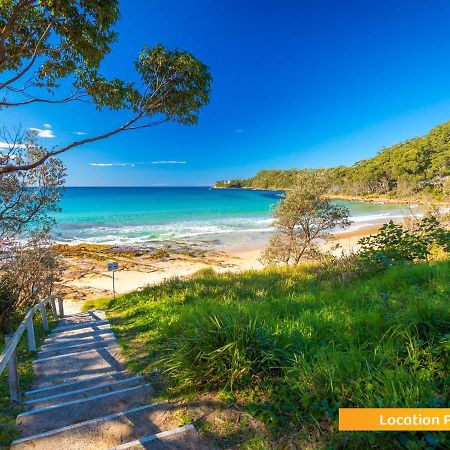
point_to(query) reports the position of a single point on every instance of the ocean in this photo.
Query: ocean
(145, 215)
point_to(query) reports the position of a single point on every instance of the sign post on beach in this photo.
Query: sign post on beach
(112, 267)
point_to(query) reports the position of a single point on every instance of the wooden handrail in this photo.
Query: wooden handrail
(8, 357)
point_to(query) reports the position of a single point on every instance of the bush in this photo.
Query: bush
(29, 271)
(225, 350)
(338, 264)
(8, 301)
(395, 244)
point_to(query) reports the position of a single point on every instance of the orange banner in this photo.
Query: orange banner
(394, 419)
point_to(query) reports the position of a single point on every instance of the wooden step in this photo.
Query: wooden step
(62, 350)
(68, 386)
(75, 411)
(76, 366)
(100, 433)
(83, 392)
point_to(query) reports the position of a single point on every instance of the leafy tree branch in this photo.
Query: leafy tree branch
(68, 40)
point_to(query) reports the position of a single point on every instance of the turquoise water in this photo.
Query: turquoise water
(147, 214)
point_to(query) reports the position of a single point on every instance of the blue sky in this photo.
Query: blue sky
(296, 84)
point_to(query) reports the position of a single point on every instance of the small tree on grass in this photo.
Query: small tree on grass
(301, 218)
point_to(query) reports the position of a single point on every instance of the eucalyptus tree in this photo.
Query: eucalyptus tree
(50, 53)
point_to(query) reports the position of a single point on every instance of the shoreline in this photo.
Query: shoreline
(86, 276)
(388, 200)
(355, 198)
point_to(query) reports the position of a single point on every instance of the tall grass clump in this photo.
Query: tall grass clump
(225, 350)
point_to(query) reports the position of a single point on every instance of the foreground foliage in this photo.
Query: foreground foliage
(48, 46)
(293, 345)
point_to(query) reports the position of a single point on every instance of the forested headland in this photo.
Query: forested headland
(416, 167)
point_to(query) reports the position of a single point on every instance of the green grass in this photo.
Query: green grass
(8, 410)
(293, 346)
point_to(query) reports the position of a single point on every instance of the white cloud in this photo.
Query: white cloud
(133, 164)
(168, 162)
(113, 164)
(7, 157)
(45, 132)
(79, 133)
(11, 145)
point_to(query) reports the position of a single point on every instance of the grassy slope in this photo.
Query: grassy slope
(293, 347)
(8, 411)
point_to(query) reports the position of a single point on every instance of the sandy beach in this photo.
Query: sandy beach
(159, 233)
(86, 276)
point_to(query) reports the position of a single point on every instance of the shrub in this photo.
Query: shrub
(224, 349)
(394, 244)
(29, 271)
(338, 264)
(8, 301)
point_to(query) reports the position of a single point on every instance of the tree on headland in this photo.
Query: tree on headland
(45, 42)
(303, 217)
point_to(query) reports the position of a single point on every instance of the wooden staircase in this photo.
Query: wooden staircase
(83, 398)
